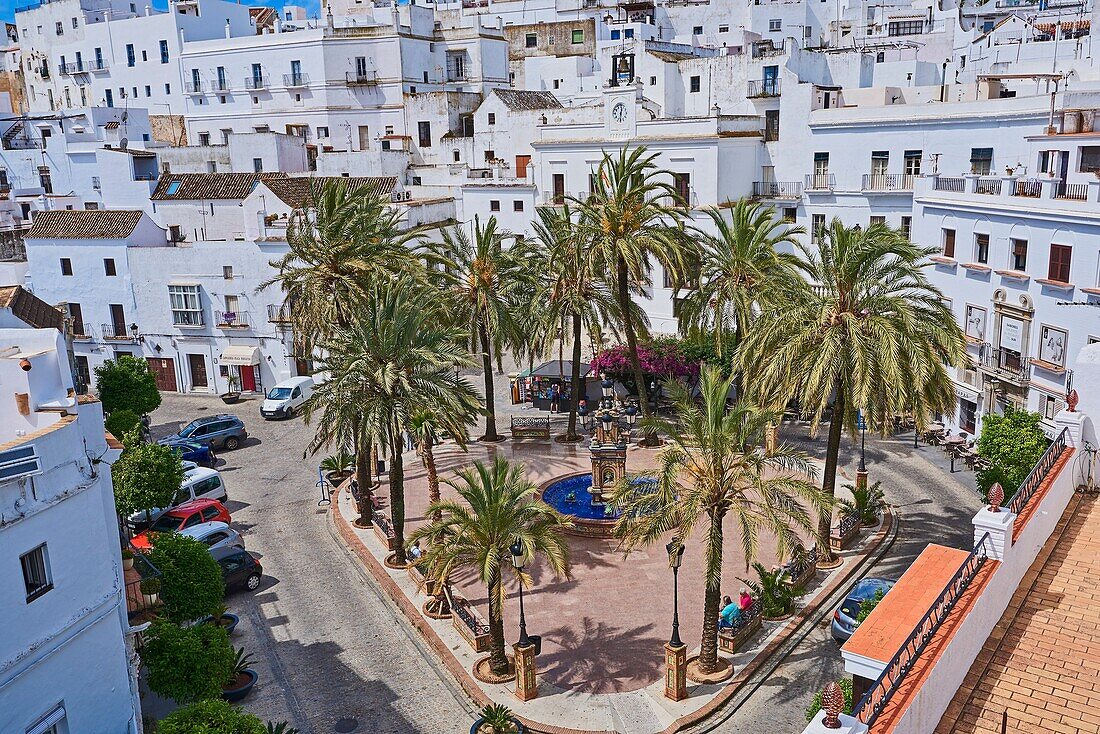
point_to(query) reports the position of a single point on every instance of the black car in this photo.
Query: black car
(239, 568)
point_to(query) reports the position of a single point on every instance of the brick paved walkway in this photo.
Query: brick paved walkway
(1041, 664)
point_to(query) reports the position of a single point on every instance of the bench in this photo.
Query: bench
(731, 639)
(384, 530)
(530, 427)
(845, 533)
(802, 567)
(466, 620)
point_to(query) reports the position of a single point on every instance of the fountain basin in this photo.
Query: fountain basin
(571, 495)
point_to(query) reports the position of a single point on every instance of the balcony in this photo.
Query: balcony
(80, 331)
(820, 182)
(139, 607)
(254, 83)
(119, 332)
(232, 319)
(762, 88)
(777, 190)
(98, 66)
(219, 85)
(987, 186)
(1031, 188)
(295, 80)
(77, 68)
(887, 182)
(1071, 191)
(1005, 365)
(365, 78)
(278, 314)
(193, 87)
(952, 184)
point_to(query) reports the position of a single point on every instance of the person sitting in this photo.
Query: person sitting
(414, 551)
(730, 613)
(744, 600)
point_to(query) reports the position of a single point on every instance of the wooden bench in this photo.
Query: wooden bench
(466, 620)
(384, 531)
(530, 427)
(731, 639)
(845, 532)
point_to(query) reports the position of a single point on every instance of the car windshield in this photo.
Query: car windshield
(189, 429)
(279, 393)
(166, 524)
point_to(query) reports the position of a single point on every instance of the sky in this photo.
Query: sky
(7, 7)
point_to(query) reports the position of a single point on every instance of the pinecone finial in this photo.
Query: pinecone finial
(832, 700)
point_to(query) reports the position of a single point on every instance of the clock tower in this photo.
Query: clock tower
(621, 95)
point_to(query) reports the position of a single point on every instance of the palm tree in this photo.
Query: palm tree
(868, 330)
(631, 218)
(738, 266)
(713, 467)
(402, 356)
(571, 295)
(482, 278)
(425, 426)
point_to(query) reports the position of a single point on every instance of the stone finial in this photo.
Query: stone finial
(1072, 398)
(996, 497)
(832, 701)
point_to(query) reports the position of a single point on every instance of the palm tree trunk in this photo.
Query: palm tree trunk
(433, 476)
(575, 381)
(712, 598)
(828, 483)
(632, 343)
(397, 498)
(490, 404)
(362, 478)
(498, 660)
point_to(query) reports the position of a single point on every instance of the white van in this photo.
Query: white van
(283, 400)
(198, 483)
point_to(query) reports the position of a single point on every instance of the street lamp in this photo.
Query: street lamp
(631, 415)
(675, 551)
(861, 423)
(607, 387)
(517, 562)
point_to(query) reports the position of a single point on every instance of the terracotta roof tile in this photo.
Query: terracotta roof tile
(29, 308)
(82, 224)
(296, 191)
(206, 186)
(519, 100)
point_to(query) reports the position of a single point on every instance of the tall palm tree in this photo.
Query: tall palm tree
(401, 354)
(738, 266)
(496, 507)
(570, 295)
(866, 330)
(711, 468)
(631, 218)
(426, 425)
(483, 277)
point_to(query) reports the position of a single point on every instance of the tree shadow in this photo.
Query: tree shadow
(597, 657)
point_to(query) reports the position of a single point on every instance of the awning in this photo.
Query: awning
(241, 355)
(966, 392)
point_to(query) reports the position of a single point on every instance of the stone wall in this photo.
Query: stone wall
(168, 129)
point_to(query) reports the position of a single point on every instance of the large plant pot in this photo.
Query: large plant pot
(230, 397)
(336, 478)
(227, 622)
(127, 563)
(480, 727)
(241, 687)
(149, 599)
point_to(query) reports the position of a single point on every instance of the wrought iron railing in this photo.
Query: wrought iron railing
(232, 319)
(193, 86)
(137, 603)
(278, 314)
(220, 85)
(461, 608)
(846, 523)
(255, 82)
(116, 331)
(988, 186)
(1006, 364)
(1038, 473)
(777, 189)
(887, 182)
(820, 181)
(878, 696)
(365, 77)
(295, 80)
(763, 88)
(955, 185)
(1031, 188)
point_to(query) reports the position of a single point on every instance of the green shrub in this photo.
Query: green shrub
(868, 605)
(191, 580)
(146, 476)
(150, 586)
(498, 718)
(815, 705)
(773, 590)
(340, 461)
(1013, 443)
(121, 422)
(211, 717)
(126, 383)
(187, 664)
(868, 503)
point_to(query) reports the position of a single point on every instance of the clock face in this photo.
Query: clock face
(618, 112)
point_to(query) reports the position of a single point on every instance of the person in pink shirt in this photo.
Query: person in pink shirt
(745, 599)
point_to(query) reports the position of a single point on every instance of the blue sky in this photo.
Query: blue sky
(7, 7)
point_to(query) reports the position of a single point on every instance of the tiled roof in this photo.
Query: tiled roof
(82, 224)
(295, 191)
(204, 186)
(29, 308)
(519, 100)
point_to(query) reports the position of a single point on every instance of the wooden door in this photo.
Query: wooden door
(164, 372)
(248, 378)
(522, 161)
(118, 321)
(197, 365)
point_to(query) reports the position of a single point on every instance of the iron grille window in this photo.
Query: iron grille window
(905, 28)
(36, 572)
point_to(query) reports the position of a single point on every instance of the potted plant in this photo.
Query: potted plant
(127, 559)
(224, 619)
(241, 679)
(338, 467)
(233, 394)
(774, 590)
(867, 503)
(497, 719)
(149, 589)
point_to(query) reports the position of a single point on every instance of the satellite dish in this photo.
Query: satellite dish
(123, 143)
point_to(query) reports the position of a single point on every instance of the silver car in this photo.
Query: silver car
(214, 535)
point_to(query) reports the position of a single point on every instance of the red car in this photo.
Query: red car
(184, 516)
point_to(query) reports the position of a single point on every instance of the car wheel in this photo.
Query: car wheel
(253, 582)
(232, 443)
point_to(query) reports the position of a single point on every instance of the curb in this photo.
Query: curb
(723, 704)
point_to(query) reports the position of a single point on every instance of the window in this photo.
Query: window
(821, 164)
(578, 35)
(912, 162)
(164, 52)
(694, 83)
(981, 248)
(52, 723)
(981, 161)
(77, 317)
(457, 156)
(1018, 261)
(949, 243)
(775, 25)
(652, 81)
(109, 266)
(131, 58)
(60, 28)
(494, 205)
(204, 139)
(66, 266)
(817, 228)
(517, 205)
(76, 23)
(697, 30)
(492, 118)
(628, 33)
(1050, 407)
(167, 88)
(322, 132)
(185, 304)
(723, 29)
(907, 227)
(424, 133)
(531, 40)
(905, 28)
(36, 572)
(876, 219)
(616, 35)
(681, 182)
(771, 125)
(1090, 159)
(45, 180)
(148, 91)
(490, 156)
(227, 272)
(1059, 263)
(790, 214)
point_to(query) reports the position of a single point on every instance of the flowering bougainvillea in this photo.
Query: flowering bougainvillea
(660, 358)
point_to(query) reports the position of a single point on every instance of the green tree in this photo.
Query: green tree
(146, 476)
(871, 332)
(191, 580)
(1013, 443)
(631, 218)
(496, 506)
(126, 383)
(712, 468)
(122, 422)
(212, 716)
(187, 664)
(426, 427)
(483, 281)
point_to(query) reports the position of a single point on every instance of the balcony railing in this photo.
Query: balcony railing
(193, 87)
(820, 182)
(117, 332)
(278, 314)
(887, 182)
(98, 65)
(80, 330)
(232, 319)
(138, 605)
(1005, 364)
(77, 68)
(1031, 188)
(777, 189)
(219, 85)
(1073, 191)
(295, 80)
(988, 186)
(21, 142)
(255, 82)
(366, 77)
(955, 185)
(763, 88)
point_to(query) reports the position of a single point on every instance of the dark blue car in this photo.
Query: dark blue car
(199, 453)
(844, 619)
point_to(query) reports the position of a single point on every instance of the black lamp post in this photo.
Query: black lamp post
(675, 551)
(517, 562)
(862, 424)
(631, 416)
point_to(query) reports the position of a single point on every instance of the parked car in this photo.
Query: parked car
(216, 431)
(284, 400)
(239, 568)
(198, 483)
(196, 453)
(215, 535)
(186, 515)
(844, 619)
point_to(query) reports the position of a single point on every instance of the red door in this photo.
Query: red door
(248, 379)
